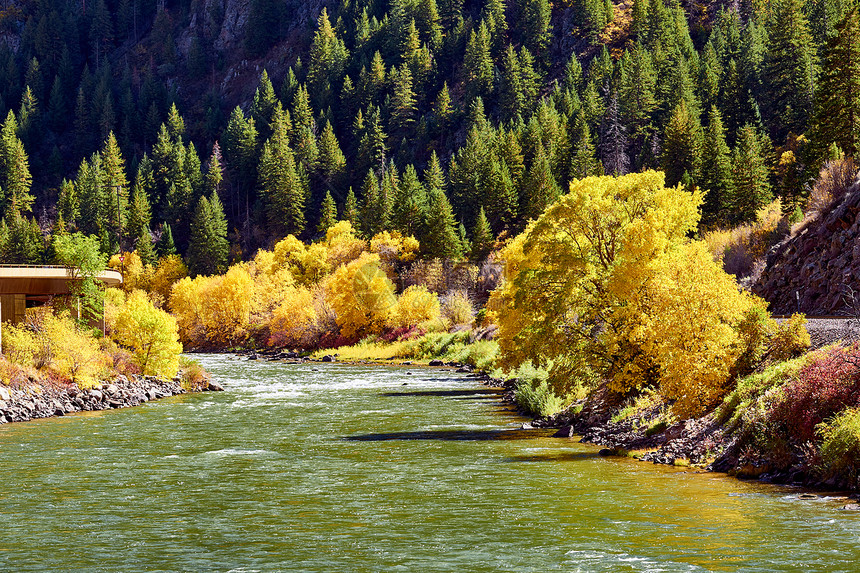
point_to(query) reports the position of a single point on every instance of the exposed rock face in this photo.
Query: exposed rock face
(817, 272)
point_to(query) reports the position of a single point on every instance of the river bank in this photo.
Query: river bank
(744, 436)
(44, 400)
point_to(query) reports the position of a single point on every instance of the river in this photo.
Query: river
(350, 468)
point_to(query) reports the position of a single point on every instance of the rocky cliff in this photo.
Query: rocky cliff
(817, 271)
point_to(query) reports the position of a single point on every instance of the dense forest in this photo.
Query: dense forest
(454, 121)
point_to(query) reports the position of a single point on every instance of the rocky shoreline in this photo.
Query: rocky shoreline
(44, 401)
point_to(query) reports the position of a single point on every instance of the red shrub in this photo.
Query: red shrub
(823, 388)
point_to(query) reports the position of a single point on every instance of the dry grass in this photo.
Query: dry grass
(834, 180)
(739, 248)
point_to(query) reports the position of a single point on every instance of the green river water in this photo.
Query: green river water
(349, 468)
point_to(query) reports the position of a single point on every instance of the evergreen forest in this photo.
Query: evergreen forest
(212, 130)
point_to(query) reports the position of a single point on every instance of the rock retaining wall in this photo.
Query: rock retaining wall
(817, 272)
(43, 401)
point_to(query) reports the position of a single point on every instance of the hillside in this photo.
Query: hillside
(453, 121)
(815, 270)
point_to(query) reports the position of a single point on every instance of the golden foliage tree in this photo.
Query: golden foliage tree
(150, 333)
(414, 305)
(606, 283)
(361, 295)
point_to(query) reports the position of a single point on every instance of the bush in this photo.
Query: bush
(457, 308)
(193, 377)
(19, 345)
(533, 393)
(828, 383)
(293, 320)
(840, 444)
(151, 334)
(790, 339)
(415, 305)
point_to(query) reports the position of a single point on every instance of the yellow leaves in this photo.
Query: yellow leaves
(361, 296)
(294, 319)
(307, 263)
(393, 248)
(415, 305)
(214, 309)
(343, 246)
(150, 333)
(75, 353)
(607, 279)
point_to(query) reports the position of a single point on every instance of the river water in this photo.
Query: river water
(348, 468)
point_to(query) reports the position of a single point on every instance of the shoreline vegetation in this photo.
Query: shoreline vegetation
(604, 318)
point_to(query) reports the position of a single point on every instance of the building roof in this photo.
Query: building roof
(45, 280)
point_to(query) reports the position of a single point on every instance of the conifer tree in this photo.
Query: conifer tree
(280, 183)
(403, 107)
(440, 238)
(165, 245)
(583, 162)
(789, 67)
(328, 61)
(540, 189)
(332, 161)
(410, 204)
(263, 105)
(482, 238)
(478, 64)
(207, 247)
(350, 210)
(139, 215)
(214, 171)
(716, 178)
(616, 161)
(535, 24)
(751, 189)
(144, 248)
(682, 146)
(837, 109)
(68, 204)
(328, 214)
(15, 177)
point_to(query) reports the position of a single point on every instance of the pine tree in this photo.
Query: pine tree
(68, 205)
(789, 68)
(328, 61)
(403, 107)
(440, 238)
(143, 245)
(332, 161)
(328, 214)
(535, 25)
(751, 189)
(478, 64)
(280, 183)
(207, 247)
(540, 189)
(15, 177)
(165, 245)
(614, 141)
(682, 146)
(139, 215)
(214, 171)
(263, 105)
(482, 238)
(716, 178)
(410, 204)
(583, 163)
(350, 210)
(837, 109)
